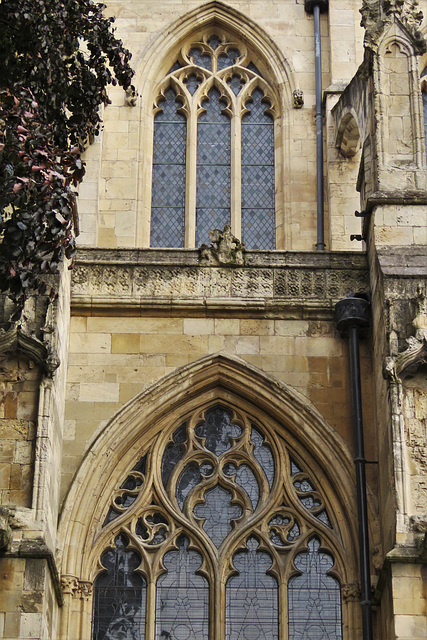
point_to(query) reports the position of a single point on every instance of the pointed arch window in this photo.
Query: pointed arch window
(216, 99)
(219, 532)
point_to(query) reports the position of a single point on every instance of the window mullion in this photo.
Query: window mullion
(150, 619)
(217, 626)
(236, 176)
(191, 171)
(283, 610)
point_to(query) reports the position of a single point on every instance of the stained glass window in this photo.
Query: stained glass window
(213, 168)
(182, 611)
(214, 516)
(258, 221)
(232, 167)
(119, 595)
(168, 191)
(314, 597)
(252, 597)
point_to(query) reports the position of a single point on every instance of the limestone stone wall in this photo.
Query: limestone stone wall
(278, 318)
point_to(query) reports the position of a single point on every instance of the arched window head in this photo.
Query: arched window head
(213, 151)
(218, 531)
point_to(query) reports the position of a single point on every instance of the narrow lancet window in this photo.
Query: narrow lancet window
(213, 168)
(252, 597)
(168, 192)
(258, 220)
(314, 597)
(182, 596)
(119, 595)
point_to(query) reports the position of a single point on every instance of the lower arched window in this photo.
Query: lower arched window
(219, 531)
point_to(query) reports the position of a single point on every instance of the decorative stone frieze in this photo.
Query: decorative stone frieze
(284, 279)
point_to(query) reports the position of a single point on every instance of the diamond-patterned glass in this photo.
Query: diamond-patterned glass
(192, 83)
(258, 180)
(314, 597)
(200, 58)
(227, 59)
(168, 187)
(213, 168)
(236, 83)
(255, 69)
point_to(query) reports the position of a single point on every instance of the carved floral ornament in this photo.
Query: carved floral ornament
(218, 510)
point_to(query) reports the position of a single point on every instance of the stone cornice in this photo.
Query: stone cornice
(282, 284)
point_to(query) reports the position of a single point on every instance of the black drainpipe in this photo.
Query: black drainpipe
(353, 314)
(316, 7)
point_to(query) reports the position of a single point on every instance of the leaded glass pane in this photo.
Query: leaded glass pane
(188, 479)
(214, 42)
(218, 513)
(245, 478)
(255, 69)
(263, 454)
(227, 59)
(213, 169)
(168, 187)
(236, 83)
(174, 451)
(258, 179)
(182, 610)
(201, 59)
(314, 597)
(119, 595)
(217, 430)
(192, 83)
(252, 598)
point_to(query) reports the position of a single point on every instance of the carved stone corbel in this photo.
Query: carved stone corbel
(69, 585)
(298, 98)
(16, 340)
(85, 589)
(351, 592)
(225, 249)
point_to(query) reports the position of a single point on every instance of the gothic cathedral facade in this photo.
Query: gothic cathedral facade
(178, 456)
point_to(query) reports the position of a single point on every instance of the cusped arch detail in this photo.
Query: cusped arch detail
(116, 446)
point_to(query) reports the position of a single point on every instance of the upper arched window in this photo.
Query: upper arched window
(219, 531)
(213, 149)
